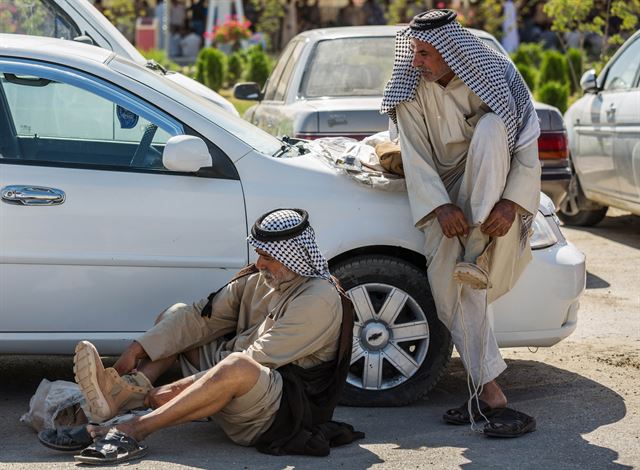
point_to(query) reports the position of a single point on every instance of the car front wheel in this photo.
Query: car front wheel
(400, 348)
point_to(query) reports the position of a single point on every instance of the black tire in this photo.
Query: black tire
(382, 277)
(575, 209)
(584, 218)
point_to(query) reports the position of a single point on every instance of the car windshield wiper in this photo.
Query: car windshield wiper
(156, 67)
(284, 149)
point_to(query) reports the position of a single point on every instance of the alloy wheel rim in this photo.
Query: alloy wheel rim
(390, 337)
(569, 204)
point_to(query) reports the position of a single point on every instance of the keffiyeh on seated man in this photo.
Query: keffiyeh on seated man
(468, 138)
(266, 356)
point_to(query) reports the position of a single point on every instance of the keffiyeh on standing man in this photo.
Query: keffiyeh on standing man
(468, 137)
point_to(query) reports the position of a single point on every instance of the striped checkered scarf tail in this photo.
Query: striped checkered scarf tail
(489, 74)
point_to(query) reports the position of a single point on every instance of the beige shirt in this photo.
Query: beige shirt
(450, 115)
(298, 323)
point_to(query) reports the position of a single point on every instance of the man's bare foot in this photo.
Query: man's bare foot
(493, 396)
(128, 427)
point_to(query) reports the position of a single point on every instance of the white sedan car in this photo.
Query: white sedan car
(123, 193)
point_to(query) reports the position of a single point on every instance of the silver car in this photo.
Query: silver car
(604, 140)
(329, 82)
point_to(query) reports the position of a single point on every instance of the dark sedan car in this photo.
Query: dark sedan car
(329, 82)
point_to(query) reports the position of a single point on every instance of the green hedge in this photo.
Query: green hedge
(529, 54)
(235, 68)
(211, 68)
(553, 69)
(554, 93)
(575, 60)
(529, 75)
(258, 66)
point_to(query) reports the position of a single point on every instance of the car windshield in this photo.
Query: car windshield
(243, 130)
(349, 67)
(359, 66)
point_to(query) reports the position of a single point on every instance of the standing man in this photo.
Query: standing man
(468, 136)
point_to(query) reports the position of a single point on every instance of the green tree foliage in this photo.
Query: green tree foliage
(397, 12)
(553, 68)
(26, 17)
(271, 11)
(258, 66)
(554, 93)
(235, 68)
(211, 68)
(491, 17)
(529, 54)
(575, 60)
(122, 15)
(586, 17)
(529, 75)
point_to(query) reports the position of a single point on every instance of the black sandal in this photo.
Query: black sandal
(114, 447)
(510, 423)
(460, 415)
(68, 438)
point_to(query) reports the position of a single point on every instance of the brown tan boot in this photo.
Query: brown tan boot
(105, 392)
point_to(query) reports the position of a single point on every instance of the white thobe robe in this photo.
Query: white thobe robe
(454, 150)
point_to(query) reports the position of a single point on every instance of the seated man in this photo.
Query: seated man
(280, 327)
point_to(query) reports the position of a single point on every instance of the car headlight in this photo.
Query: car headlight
(544, 234)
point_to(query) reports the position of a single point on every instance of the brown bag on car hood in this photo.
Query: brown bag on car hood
(390, 158)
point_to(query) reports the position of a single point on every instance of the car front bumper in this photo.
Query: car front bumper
(548, 312)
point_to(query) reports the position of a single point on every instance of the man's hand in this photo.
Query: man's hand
(500, 219)
(158, 396)
(452, 220)
(129, 359)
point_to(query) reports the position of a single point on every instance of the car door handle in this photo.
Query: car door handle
(611, 109)
(32, 195)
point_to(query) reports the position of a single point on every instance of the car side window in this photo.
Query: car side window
(274, 78)
(56, 122)
(37, 18)
(283, 84)
(623, 73)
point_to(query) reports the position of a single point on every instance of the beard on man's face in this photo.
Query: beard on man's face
(273, 280)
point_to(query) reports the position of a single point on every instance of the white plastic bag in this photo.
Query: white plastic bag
(358, 160)
(55, 404)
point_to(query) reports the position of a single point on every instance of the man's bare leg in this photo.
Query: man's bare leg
(136, 357)
(492, 395)
(232, 377)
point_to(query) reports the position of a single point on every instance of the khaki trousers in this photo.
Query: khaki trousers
(466, 312)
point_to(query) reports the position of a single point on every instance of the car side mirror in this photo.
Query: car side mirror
(588, 82)
(247, 91)
(186, 153)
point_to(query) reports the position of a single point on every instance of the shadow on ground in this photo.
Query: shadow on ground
(566, 405)
(620, 228)
(596, 282)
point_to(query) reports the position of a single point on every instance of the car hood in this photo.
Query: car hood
(345, 214)
(203, 91)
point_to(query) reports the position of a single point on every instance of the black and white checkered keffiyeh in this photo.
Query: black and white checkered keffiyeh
(489, 74)
(300, 253)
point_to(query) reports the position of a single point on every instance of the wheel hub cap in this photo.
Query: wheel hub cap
(375, 335)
